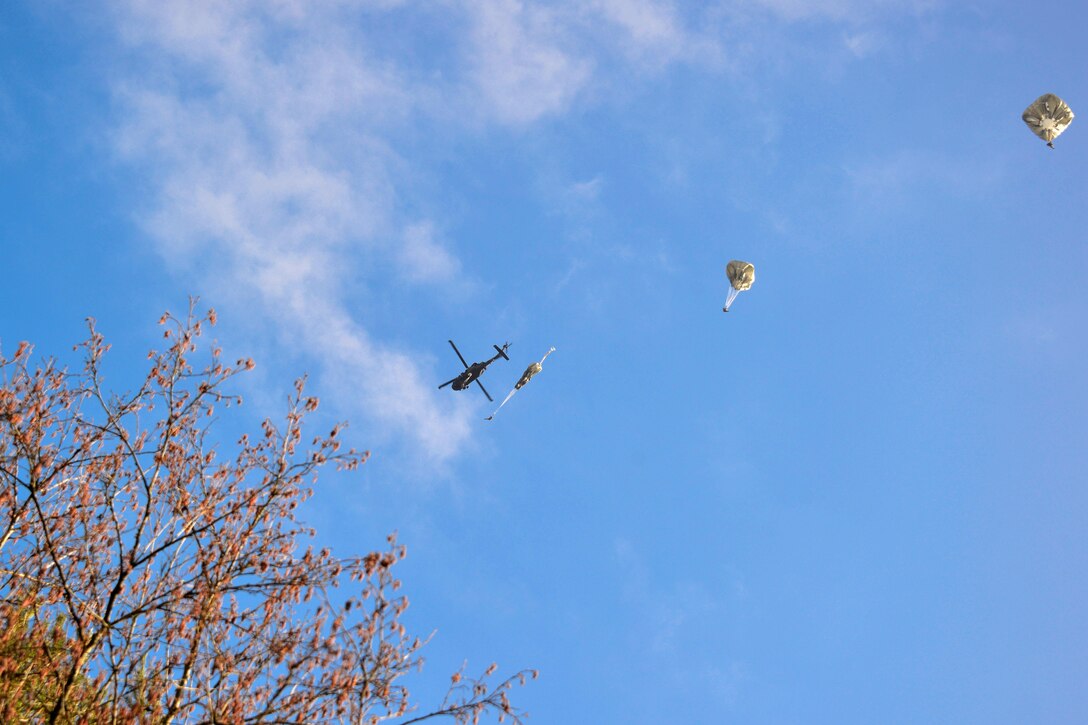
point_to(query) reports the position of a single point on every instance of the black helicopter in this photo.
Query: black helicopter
(475, 370)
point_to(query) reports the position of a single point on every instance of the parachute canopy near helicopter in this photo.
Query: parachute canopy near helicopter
(1047, 117)
(741, 276)
(526, 376)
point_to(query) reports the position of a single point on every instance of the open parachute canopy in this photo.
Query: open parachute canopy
(741, 276)
(1048, 117)
(526, 376)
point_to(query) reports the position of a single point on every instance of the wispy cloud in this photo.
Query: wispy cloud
(863, 43)
(670, 619)
(423, 258)
(523, 62)
(271, 135)
(261, 128)
(532, 60)
(853, 11)
(654, 31)
(889, 181)
(266, 132)
(587, 190)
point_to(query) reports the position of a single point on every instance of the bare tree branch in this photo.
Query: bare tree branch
(151, 573)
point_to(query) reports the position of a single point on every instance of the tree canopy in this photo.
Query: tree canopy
(151, 572)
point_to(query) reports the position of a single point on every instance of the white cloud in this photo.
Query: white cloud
(532, 60)
(648, 22)
(262, 131)
(863, 43)
(889, 180)
(851, 11)
(423, 259)
(269, 132)
(654, 31)
(587, 190)
(670, 618)
(521, 66)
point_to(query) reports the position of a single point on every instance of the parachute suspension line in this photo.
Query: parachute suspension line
(741, 275)
(525, 378)
(511, 395)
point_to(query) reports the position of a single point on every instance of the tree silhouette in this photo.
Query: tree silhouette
(151, 573)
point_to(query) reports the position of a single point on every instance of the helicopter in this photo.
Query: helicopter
(475, 370)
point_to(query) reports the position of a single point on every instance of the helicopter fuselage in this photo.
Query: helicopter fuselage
(471, 374)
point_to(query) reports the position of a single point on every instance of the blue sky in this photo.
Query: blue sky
(858, 497)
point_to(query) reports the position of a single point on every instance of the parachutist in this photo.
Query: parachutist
(530, 371)
(741, 276)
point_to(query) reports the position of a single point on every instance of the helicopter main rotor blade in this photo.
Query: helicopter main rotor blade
(485, 390)
(447, 383)
(462, 357)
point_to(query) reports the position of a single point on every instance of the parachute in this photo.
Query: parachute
(526, 376)
(741, 276)
(1048, 117)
